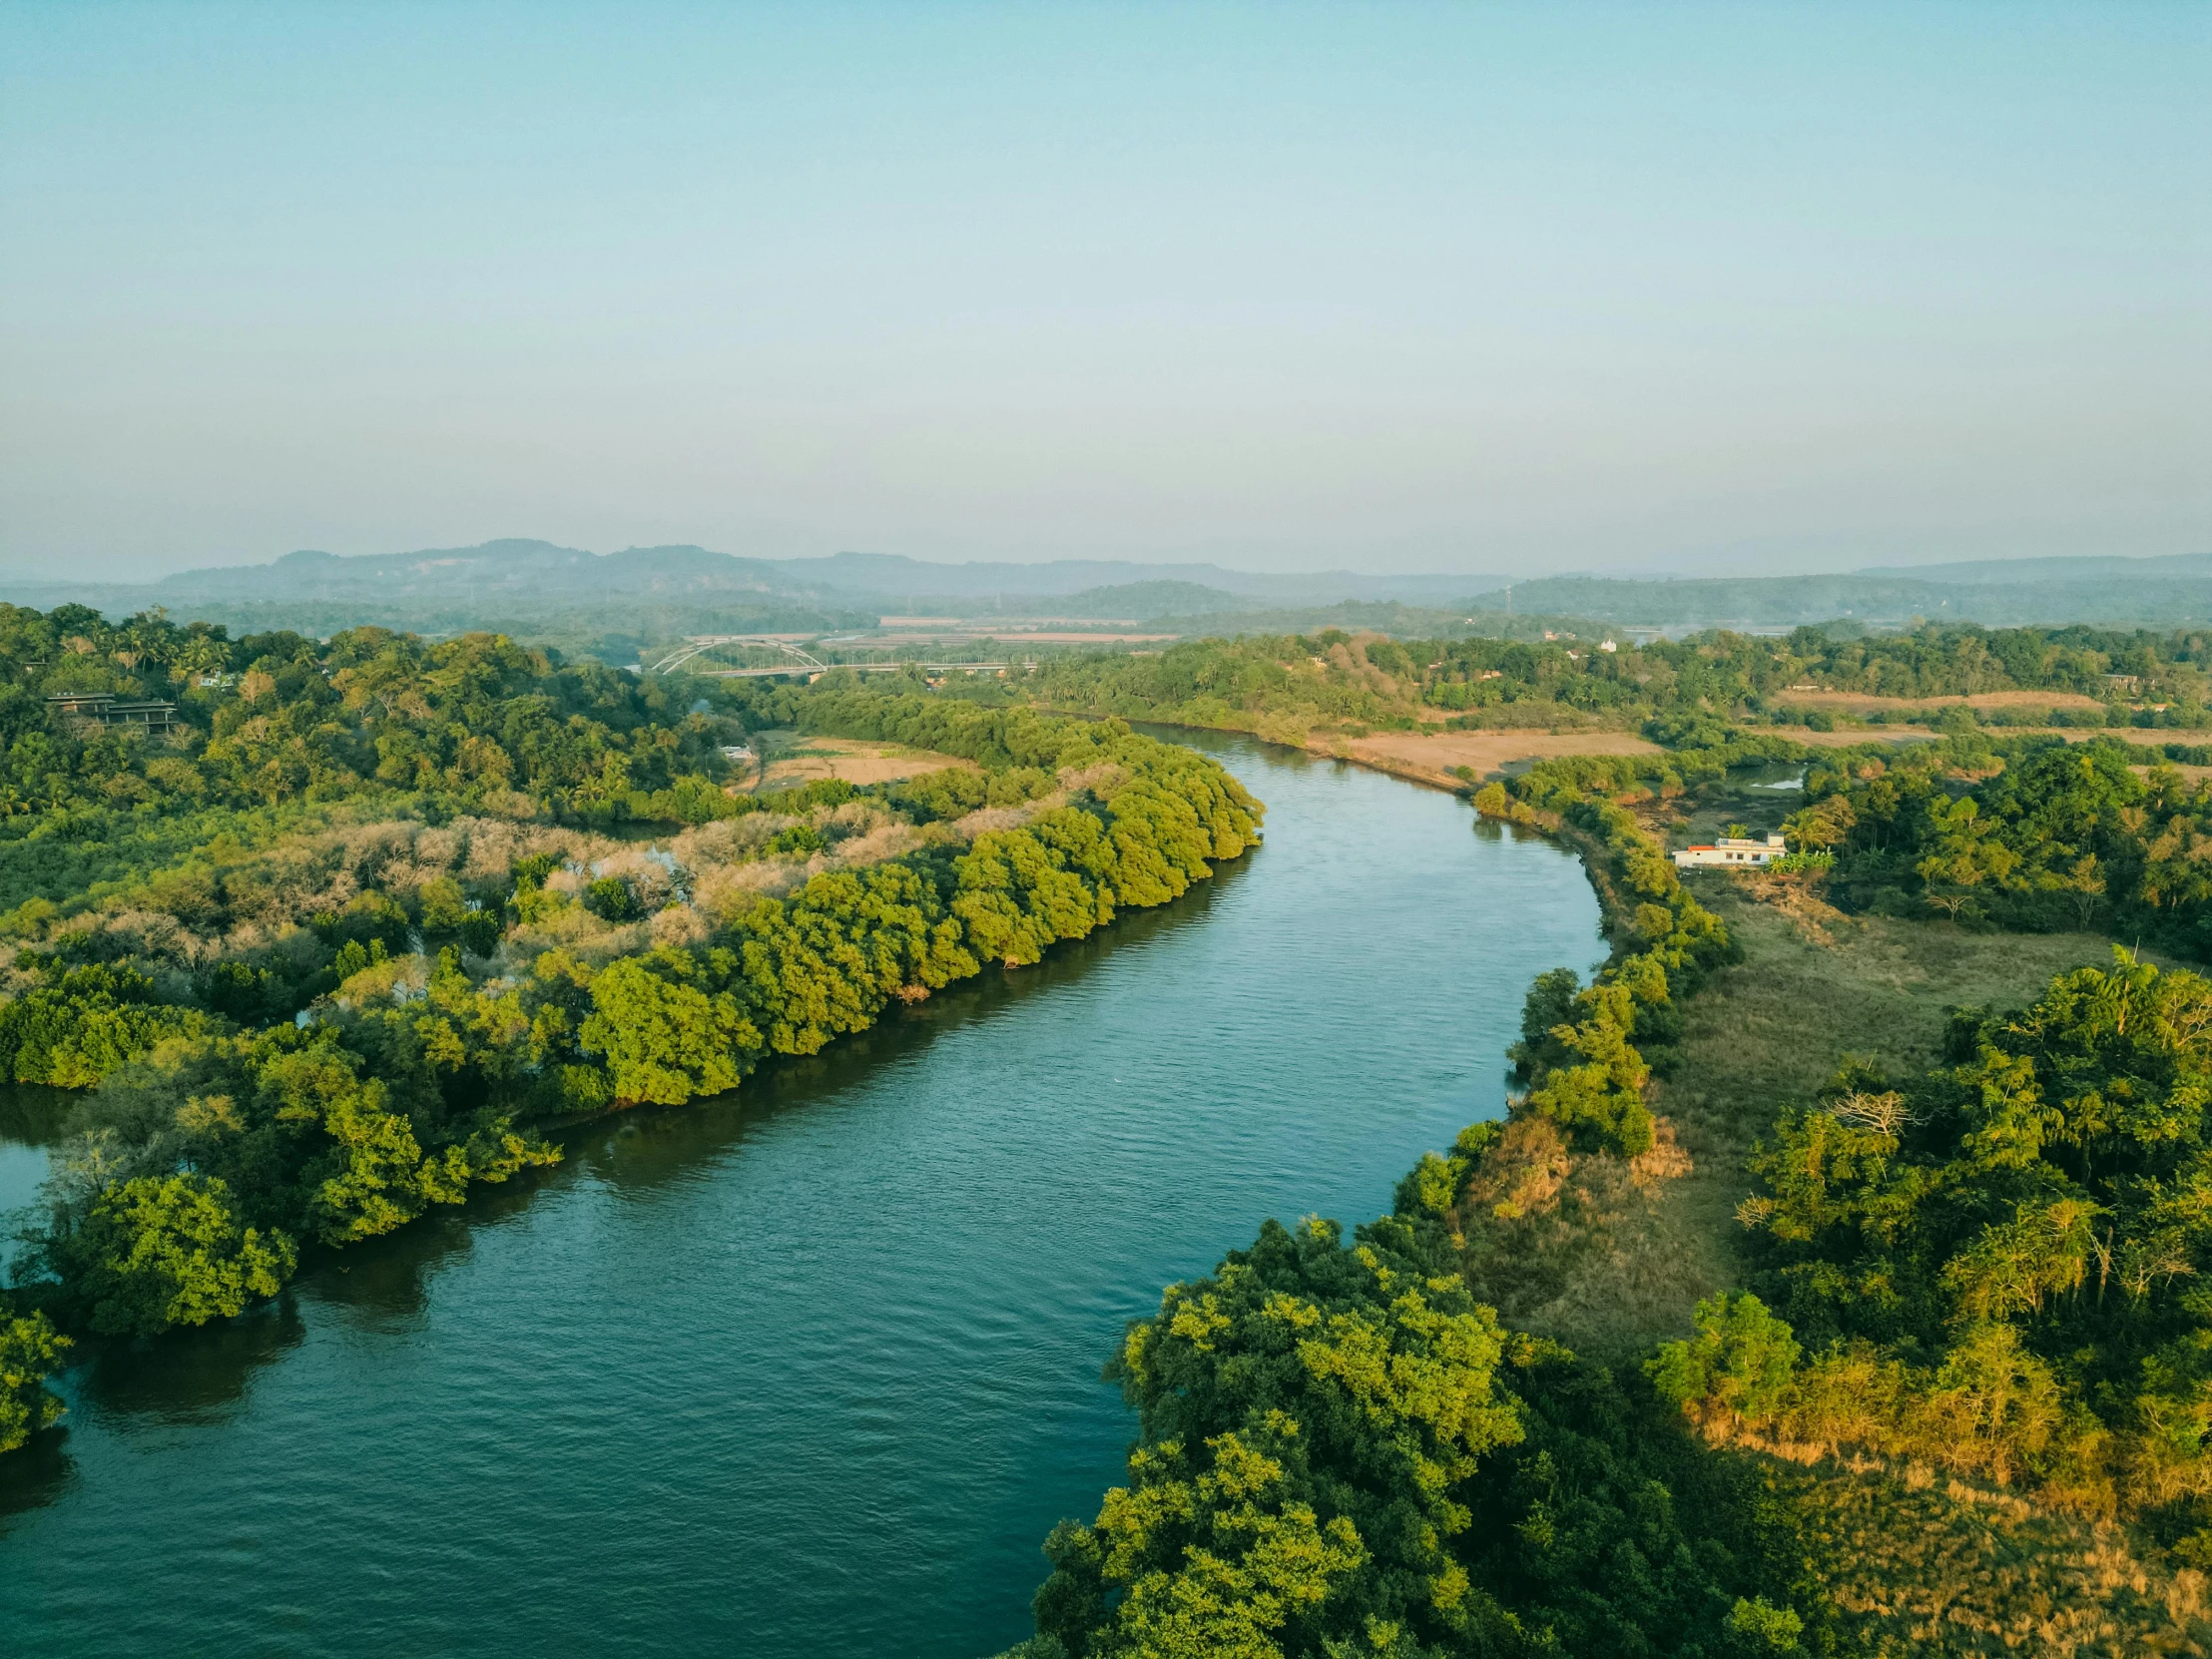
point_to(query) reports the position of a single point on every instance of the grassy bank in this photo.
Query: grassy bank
(1615, 1259)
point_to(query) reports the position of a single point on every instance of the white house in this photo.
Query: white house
(1730, 853)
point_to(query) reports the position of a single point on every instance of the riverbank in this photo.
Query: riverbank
(1609, 1255)
(820, 1358)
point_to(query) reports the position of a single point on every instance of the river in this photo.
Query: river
(815, 1368)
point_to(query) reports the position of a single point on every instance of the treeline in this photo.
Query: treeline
(2032, 834)
(212, 1152)
(1586, 1053)
(1993, 1267)
(1275, 685)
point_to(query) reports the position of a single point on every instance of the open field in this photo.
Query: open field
(791, 759)
(1623, 1254)
(1428, 757)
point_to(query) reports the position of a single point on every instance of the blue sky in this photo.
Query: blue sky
(1387, 287)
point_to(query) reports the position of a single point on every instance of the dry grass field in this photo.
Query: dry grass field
(791, 759)
(1428, 757)
(1924, 1565)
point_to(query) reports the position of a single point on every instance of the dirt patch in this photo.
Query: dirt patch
(1428, 757)
(855, 760)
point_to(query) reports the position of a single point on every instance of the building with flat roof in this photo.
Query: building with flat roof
(1730, 853)
(141, 713)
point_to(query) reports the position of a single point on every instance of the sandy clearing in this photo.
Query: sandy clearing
(857, 760)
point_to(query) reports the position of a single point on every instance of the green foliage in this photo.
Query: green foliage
(1306, 1415)
(1579, 1048)
(1740, 1362)
(155, 1252)
(30, 1351)
(274, 731)
(663, 1039)
(76, 1025)
(2063, 836)
(611, 899)
(1684, 692)
(1992, 1268)
(1340, 1453)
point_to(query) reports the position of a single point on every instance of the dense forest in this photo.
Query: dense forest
(309, 1038)
(277, 732)
(1286, 685)
(2030, 834)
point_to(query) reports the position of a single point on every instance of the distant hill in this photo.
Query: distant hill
(608, 602)
(2058, 570)
(542, 588)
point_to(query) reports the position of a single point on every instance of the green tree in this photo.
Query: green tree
(30, 1351)
(664, 1039)
(159, 1251)
(1310, 1417)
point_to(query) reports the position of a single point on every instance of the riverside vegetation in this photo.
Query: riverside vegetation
(1287, 686)
(1949, 1390)
(338, 948)
(1941, 1386)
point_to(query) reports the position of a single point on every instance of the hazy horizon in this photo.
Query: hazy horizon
(1645, 573)
(1694, 290)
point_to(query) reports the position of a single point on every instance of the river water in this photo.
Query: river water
(813, 1369)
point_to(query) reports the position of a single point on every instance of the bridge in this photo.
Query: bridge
(707, 642)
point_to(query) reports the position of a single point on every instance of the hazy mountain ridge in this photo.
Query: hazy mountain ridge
(544, 589)
(894, 579)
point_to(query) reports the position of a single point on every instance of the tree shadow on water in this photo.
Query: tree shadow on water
(188, 1378)
(191, 1375)
(35, 1474)
(31, 1113)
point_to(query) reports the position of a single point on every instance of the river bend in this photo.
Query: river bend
(813, 1369)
